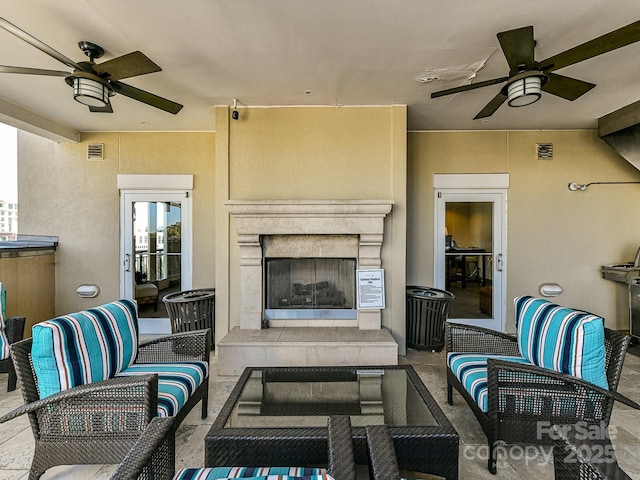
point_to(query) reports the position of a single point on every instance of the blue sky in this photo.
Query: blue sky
(8, 163)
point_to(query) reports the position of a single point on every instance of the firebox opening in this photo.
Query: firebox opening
(310, 288)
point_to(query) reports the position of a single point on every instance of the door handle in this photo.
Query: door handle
(499, 262)
(127, 262)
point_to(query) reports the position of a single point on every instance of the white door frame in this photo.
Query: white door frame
(127, 199)
(157, 186)
(475, 188)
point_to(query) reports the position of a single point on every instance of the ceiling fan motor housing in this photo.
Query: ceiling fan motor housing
(90, 49)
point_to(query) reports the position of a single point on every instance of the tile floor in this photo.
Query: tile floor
(16, 440)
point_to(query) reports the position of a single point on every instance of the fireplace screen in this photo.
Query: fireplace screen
(309, 284)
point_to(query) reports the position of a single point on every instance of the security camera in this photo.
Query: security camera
(235, 115)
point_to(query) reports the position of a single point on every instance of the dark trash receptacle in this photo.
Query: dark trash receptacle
(192, 310)
(427, 312)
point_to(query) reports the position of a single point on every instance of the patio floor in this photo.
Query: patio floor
(17, 443)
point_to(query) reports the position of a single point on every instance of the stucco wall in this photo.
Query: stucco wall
(553, 234)
(311, 153)
(62, 193)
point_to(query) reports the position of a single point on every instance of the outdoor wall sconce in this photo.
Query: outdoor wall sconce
(573, 186)
(88, 291)
(550, 290)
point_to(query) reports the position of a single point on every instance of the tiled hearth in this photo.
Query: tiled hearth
(306, 228)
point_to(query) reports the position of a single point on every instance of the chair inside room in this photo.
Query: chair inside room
(146, 293)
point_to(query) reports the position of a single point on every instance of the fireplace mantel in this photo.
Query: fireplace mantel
(257, 218)
(256, 208)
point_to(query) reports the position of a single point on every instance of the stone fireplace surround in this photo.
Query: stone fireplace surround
(257, 220)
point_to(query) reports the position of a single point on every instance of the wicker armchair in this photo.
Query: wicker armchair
(14, 329)
(98, 423)
(578, 458)
(153, 455)
(511, 384)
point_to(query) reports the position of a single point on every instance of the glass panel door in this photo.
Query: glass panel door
(156, 230)
(469, 256)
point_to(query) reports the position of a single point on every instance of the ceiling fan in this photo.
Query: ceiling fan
(527, 77)
(94, 83)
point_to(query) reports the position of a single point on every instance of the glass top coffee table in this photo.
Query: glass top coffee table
(277, 416)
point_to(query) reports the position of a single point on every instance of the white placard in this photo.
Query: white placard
(370, 289)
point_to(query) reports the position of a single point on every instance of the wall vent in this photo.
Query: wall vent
(545, 151)
(95, 151)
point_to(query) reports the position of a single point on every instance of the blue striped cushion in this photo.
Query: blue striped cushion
(471, 370)
(561, 339)
(266, 473)
(4, 341)
(176, 382)
(84, 347)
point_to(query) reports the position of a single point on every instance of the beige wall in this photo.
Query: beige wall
(311, 153)
(553, 234)
(62, 193)
(316, 153)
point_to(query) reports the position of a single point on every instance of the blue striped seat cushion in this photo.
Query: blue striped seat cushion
(263, 473)
(176, 382)
(561, 339)
(4, 341)
(84, 347)
(471, 370)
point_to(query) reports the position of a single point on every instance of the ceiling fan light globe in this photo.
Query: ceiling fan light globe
(524, 91)
(90, 92)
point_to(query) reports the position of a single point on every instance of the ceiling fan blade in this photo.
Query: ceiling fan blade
(517, 46)
(603, 44)
(146, 97)
(33, 71)
(22, 35)
(126, 66)
(491, 107)
(471, 86)
(566, 87)
(106, 109)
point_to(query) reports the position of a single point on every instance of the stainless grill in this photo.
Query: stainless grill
(628, 273)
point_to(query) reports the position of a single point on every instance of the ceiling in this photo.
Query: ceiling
(355, 52)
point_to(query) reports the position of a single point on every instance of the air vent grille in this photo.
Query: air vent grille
(95, 151)
(545, 151)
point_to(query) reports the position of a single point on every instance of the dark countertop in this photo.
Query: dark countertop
(29, 242)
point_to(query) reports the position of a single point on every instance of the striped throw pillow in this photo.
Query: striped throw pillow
(561, 339)
(84, 347)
